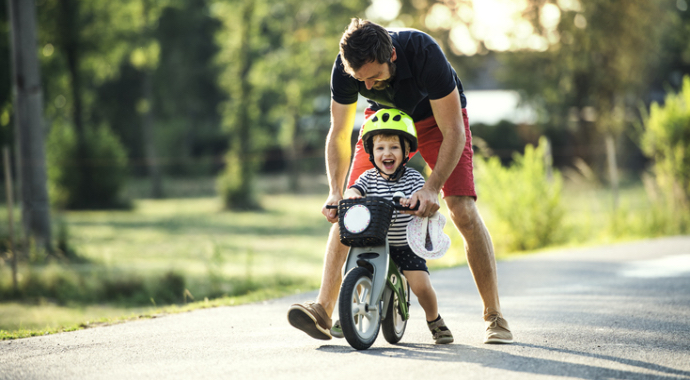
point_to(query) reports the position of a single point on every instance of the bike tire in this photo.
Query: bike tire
(393, 327)
(359, 323)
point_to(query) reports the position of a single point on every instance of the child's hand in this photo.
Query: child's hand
(405, 202)
(352, 194)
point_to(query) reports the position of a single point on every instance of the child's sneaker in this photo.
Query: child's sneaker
(337, 330)
(440, 331)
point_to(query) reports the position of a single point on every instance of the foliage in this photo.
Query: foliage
(277, 58)
(590, 80)
(523, 198)
(503, 139)
(6, 135)
(666, 139)
(104, 160)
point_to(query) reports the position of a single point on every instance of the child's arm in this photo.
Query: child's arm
(352, 193)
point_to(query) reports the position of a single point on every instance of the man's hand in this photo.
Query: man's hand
(331, 214)
(427, 200)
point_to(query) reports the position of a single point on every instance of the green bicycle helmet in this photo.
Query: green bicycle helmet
(389, 121)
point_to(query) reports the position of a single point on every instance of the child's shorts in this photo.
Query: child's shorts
(405, 259)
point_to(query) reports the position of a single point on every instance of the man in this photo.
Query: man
(403, 69)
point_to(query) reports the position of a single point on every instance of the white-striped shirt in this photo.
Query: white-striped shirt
(371, 184)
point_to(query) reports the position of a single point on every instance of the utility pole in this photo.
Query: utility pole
(28, 106)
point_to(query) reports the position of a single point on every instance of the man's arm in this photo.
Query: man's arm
(448, 114)
(338, 152)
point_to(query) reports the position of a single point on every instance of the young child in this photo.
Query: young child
(389, 136)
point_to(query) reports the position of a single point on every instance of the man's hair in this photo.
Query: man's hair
(364, 42)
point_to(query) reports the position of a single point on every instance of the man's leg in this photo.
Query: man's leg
(482, 263)
(336, 253)
(314, 318)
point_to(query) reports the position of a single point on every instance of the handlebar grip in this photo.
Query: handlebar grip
(332, 207)
(398, 206)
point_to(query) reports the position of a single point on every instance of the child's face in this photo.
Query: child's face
(388, 153)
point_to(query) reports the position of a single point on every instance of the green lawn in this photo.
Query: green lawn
(192, 237)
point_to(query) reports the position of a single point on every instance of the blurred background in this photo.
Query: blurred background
(182, 141)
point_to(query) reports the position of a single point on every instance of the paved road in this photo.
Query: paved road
(613, 312)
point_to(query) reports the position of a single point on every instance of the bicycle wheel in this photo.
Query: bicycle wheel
(360, 324)
(393, 327)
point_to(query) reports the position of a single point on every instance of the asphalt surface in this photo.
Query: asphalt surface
(612, 312)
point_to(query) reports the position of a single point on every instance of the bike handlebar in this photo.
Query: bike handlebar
(396, 205)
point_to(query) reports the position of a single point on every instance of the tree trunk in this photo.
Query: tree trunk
(293, 151)
(9, 188)
(28, 105)
(70, 44)
(613, 166)
(241, 173)
(245, 142)
(147, 125)
(148, 118)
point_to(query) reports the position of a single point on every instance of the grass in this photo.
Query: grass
(228, 258)
(220, 254)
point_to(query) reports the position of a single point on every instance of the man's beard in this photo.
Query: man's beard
(382, 85)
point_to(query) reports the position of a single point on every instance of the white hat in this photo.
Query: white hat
(426, 238)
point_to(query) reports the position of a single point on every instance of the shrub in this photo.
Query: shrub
(666, 140)
(91, 177)
(523, 200)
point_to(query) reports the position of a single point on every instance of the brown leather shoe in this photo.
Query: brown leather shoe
(311, 318)
(497, 330)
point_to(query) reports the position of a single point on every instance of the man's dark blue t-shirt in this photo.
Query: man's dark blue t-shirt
(422, 73)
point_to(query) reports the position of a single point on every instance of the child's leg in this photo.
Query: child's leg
(420, 283)
(421, 286)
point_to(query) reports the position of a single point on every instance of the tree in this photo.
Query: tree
(28, 100)
(591, 78)
(146, 72)
(6, 136)
(278, 57)
(80, 50)
(187, 93)
(236, 182)
(300, 60)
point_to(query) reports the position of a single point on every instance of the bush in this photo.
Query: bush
(523, 200)
(88, 178)
(666, 139)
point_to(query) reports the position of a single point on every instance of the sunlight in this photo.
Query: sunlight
(498, 24)
(671, 266)
(439, 17)
(385, 10)
(462, 40)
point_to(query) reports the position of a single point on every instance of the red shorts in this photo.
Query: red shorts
(461, 180)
